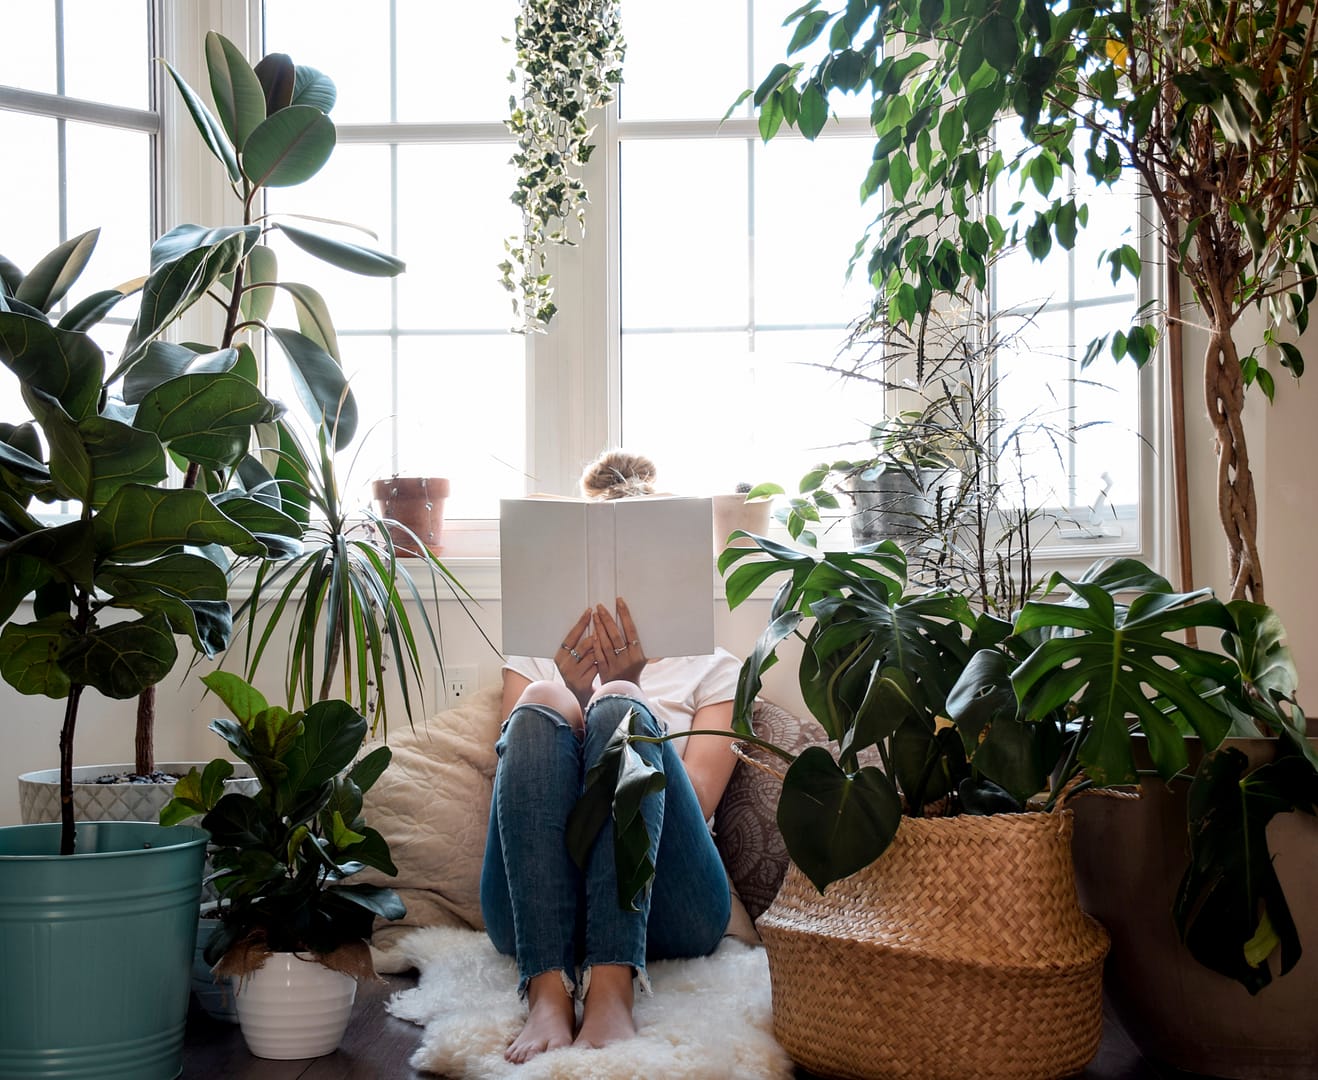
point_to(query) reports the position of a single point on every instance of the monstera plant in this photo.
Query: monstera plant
(130, 547)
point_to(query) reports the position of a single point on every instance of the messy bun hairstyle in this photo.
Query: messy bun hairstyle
(616, 474)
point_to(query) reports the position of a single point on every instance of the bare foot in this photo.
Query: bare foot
(550, 1022)
(607, 1013)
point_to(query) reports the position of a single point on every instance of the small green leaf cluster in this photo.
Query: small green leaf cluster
(134, 547)
(570, 55)
(281, 856)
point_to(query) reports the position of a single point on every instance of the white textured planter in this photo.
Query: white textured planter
(292, 1008)
(38, 793)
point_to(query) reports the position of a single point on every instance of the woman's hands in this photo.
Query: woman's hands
(613, 650)
(575, 660)
(618, 652)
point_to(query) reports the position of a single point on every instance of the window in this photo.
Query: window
(694, 317)
(79, 134)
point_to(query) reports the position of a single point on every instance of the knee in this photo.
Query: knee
(611, 702)
(555, 696)
(620, 688)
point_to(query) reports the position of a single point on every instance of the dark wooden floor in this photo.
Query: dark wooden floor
(377, 1047)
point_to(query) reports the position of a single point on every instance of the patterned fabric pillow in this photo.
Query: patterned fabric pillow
(745, 823)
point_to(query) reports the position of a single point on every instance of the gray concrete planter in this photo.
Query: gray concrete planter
(38, 793)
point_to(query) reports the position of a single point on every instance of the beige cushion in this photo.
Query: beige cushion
(746, 821)
(433, 806)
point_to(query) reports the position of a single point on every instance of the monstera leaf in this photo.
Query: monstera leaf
(1113, 662)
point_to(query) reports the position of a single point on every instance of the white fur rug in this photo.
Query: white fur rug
(708, 1019)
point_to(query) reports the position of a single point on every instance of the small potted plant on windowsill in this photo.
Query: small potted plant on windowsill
(745, 509)
(290, 930)
(413, 507)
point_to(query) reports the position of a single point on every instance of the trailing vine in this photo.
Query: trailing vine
(569, 53)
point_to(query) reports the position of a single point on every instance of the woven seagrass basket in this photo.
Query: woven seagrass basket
(960, 953)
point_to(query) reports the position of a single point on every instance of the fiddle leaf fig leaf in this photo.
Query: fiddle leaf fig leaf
(47, 283)
(122, 659)
(332, 733)
(368, 770)
(140, 523)
(29, 655)
(240, 697)
(64, 364)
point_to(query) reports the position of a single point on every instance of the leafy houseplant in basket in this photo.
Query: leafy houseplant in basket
(292, 932)
(110, 586)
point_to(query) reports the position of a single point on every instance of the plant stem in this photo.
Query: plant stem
(67, 832)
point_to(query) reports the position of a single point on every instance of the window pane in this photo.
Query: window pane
(686, 59)
(453, 216)
(30, 195)
(117, 200)
(461, 414)
(30, 47)
(107, 51)
(345, 40)
(716, 409)
(685, 245)
(353, 187)
(808, 217)
(453, 61)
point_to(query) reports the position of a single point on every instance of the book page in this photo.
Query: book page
(665, 572)
(542, 570)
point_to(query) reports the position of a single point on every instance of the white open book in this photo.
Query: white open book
(559, 556)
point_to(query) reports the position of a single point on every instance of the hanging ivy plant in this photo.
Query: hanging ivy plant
(569, 54)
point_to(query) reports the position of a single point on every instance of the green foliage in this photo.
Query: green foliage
(281, 856)
(570, 55)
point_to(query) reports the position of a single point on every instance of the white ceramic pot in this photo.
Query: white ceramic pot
(292, 1008)
(732, 512)
(38, 793)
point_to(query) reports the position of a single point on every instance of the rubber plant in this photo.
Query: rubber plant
(129, 545)
(569, 55)
(282, 855)
(269, 129)
(1211, 105)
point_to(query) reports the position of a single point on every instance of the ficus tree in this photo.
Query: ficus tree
(1213, 104)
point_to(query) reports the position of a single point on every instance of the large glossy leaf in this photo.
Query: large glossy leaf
(26, 470)
(241, 698)
(320, 384)
(262, 266)
(67, 550)
(1113, 665)
(353, 257)
(289, 147)
(278, 77)
(47, 283)
(211, 131)
(258, 516)
(19, 576)
(207, 416)
(835, 823)
(29, 655)
(64, 364)
(374, 898)
(92, 309)
(314, 88)
(372, 850)
(187, 576)
(141, 523)
(176, 284)
(236, 90)
(122, 659)
(368, 770)
(313, 317)
(333, 732)
(1230, 908)
(209, 623)
(164, 360)
(183, 240)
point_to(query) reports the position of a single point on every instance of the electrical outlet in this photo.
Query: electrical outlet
(458, 682)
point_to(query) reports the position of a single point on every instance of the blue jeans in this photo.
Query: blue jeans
(539, 907)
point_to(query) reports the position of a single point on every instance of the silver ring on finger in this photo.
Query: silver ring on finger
(574, 654)
(621, 650)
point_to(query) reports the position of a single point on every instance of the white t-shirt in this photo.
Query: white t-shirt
(677, 686)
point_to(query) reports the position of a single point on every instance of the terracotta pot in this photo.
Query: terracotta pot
(1130, 854)
(733, 512)
(416, 502)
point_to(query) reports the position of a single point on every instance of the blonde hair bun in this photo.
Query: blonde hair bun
(616, 474)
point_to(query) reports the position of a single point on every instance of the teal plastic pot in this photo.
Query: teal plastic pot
(96, 950)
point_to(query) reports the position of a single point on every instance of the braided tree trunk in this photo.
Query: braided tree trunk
(1237, 507)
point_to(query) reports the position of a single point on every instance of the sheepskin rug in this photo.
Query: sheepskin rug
(707, 1019)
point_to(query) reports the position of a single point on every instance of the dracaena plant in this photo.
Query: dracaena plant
(113, 582)
(1110, 656)
(282, 856)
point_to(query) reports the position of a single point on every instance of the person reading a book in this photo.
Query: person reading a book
(556, 919)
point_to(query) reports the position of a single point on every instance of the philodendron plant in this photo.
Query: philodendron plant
(130, 547)
(282, 855)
